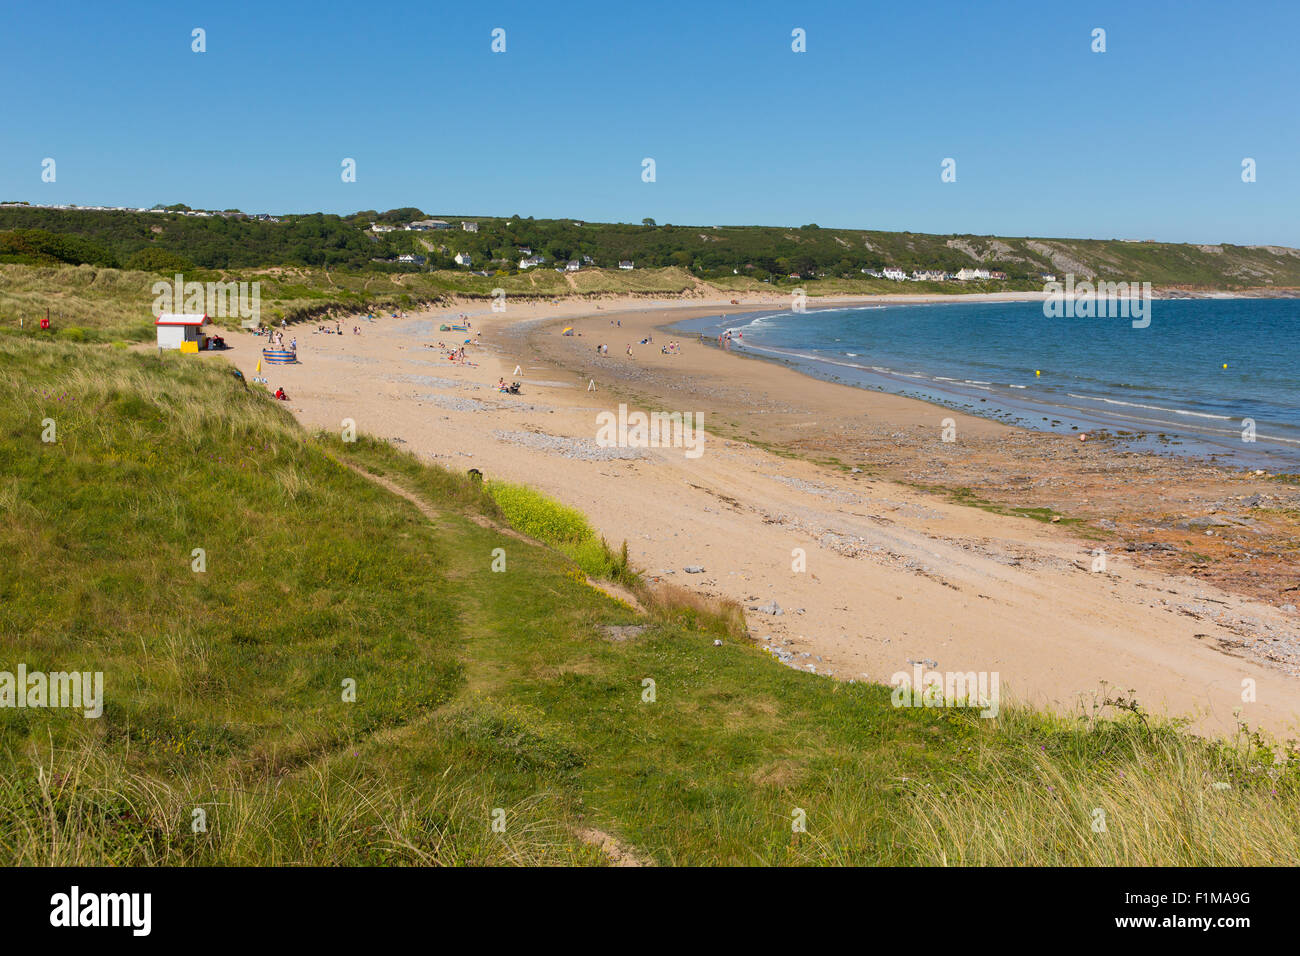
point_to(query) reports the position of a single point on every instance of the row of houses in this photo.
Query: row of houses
(196, 213)
(422, 225)
(530, 261)
(938, 275)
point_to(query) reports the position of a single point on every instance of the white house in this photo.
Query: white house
(175, 330)
(424, 225)
(410, 258)
(464, 259)
(531, 261)
(966, 275)
(573, 265)
(625, 264)
(893, 272)
(382, 227)
(469, 226)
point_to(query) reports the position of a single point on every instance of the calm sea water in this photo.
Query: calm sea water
(1166, 383)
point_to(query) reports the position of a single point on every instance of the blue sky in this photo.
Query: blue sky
(1143, 141)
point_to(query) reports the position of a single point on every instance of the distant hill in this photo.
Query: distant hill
(165, 241)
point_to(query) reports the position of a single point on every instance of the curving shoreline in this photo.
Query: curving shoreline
(898, 567)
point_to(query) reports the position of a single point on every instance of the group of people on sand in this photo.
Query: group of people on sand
(672, 348)
(512, 388)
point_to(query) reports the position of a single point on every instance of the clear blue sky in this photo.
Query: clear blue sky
(1051, 139)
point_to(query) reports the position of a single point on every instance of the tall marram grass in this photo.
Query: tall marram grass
(1109, 793)
(82, 806)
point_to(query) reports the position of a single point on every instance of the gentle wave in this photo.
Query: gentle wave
(1152, 408)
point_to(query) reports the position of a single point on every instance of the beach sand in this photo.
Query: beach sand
(893, 572)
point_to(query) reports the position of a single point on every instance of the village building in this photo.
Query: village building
(183, 332)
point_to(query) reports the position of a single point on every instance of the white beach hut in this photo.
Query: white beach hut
(175, 331)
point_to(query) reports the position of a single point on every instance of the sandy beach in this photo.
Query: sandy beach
(837, 504)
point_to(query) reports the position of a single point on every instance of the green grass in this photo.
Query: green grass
(478, 693)
(103, 305)
(564, 528)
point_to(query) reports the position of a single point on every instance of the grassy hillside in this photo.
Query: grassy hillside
(169, 242)
(89, 303)
(477, 691)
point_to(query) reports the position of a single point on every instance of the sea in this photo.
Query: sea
(1214, 378)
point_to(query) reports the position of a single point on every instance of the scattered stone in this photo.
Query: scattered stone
(771, 607)
(580, 449)
(1207, 521)
(693, 569)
